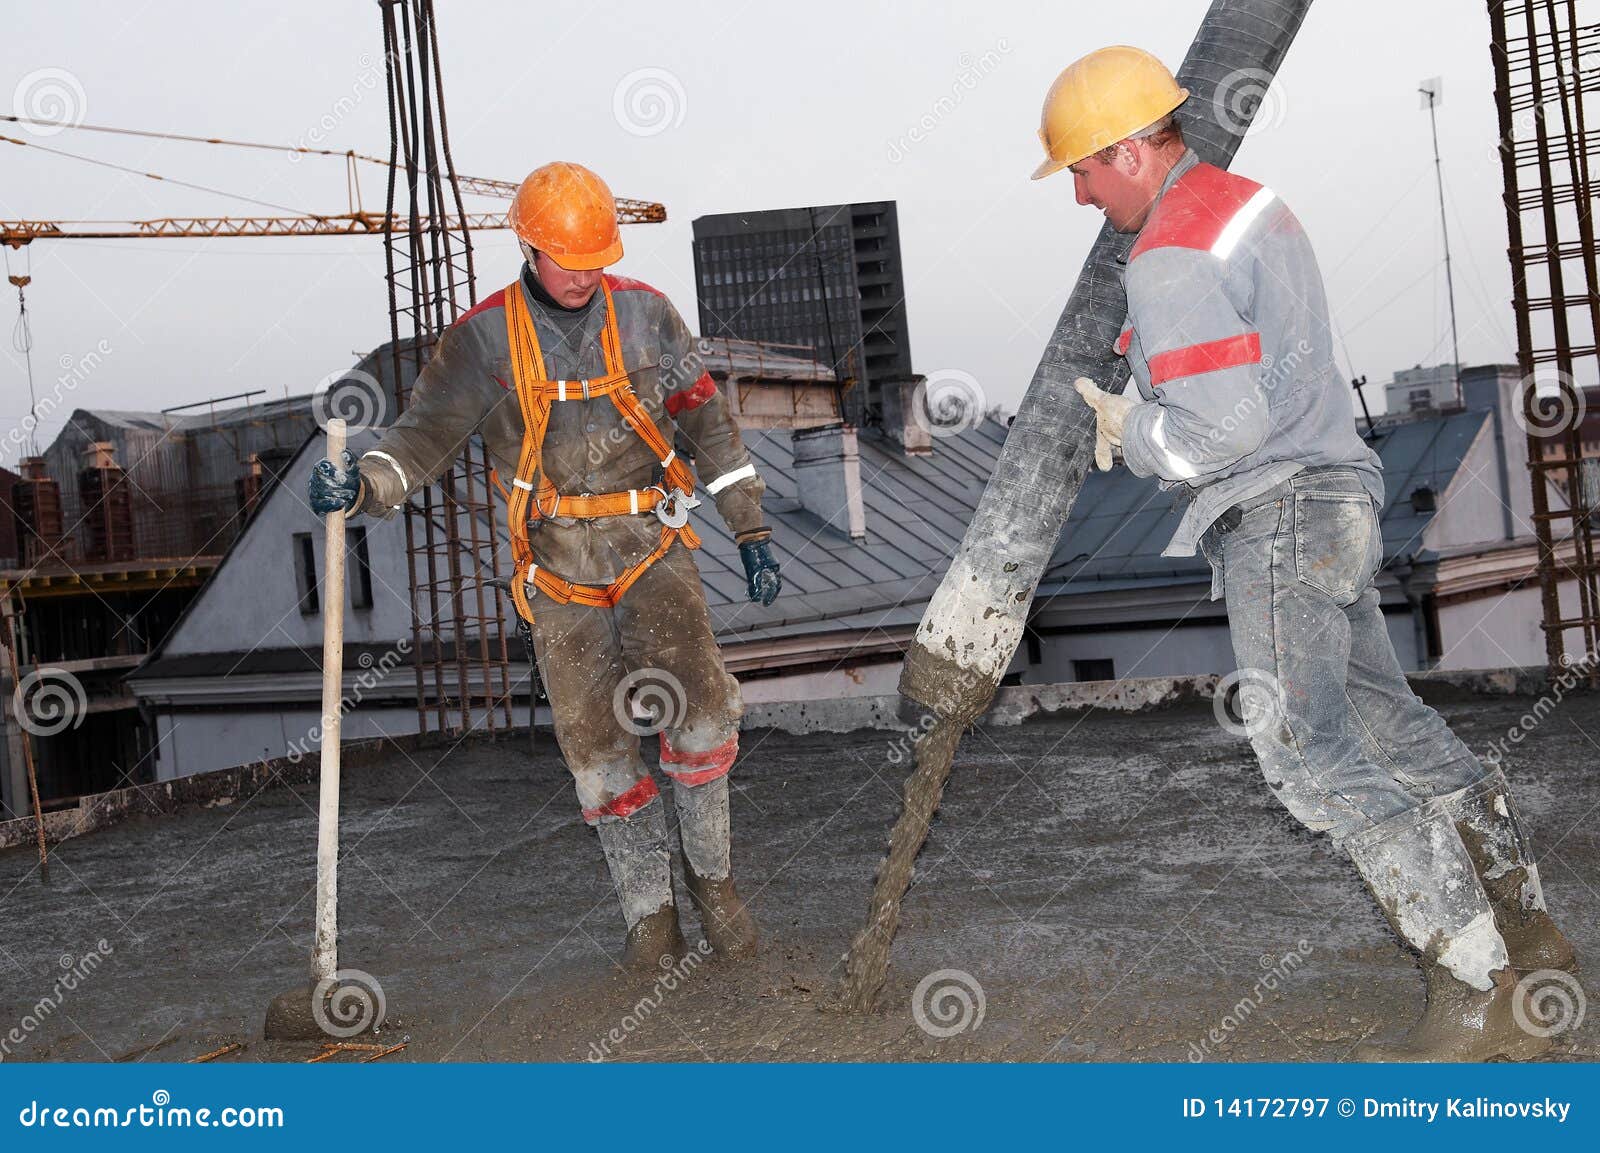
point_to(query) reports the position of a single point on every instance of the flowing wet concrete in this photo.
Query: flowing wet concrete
(1097, 886)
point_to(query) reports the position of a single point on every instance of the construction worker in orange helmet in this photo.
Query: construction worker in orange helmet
(585, 386)
(1240, 406)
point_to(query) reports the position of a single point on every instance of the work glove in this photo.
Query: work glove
(334, 487)
(760, 570)
(1111, 412)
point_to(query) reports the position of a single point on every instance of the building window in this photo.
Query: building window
(1094, 669)
(361, 586)
(305, 574)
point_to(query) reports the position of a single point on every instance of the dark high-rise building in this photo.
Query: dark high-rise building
(827, 277)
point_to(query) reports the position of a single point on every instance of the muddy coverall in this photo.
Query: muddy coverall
(657, 642)
(1244, 410)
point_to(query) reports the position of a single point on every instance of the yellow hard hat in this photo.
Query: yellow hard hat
(1105, 97)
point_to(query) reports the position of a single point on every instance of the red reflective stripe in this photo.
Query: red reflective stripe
(629, 284)
(692, 397)
(1124, 339)
(698, 768)
(627, 802)
(493, 300)
(1212, 356)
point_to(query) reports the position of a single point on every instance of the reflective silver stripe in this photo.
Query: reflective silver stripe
(526, 485)
(669, 458)
(394, 464)
(1179, 466)
(561, 390)
(1241, 222)
(727, 478)
(532, 568)
(633, 500)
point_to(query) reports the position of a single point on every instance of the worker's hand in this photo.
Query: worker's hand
(760, 570)
(1110, 411)
(334, 487)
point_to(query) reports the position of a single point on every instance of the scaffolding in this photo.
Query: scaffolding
(1544, 63)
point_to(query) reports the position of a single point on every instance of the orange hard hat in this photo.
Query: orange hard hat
(566, 212)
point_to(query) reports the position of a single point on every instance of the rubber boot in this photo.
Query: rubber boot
(641, 868)
(703, 827)
(1419, 870)
(1502, 855)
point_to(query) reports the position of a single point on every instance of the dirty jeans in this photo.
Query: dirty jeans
(1343, 741)
(656, 648)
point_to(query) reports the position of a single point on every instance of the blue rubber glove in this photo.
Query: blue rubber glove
(333, 488)
(761, 570)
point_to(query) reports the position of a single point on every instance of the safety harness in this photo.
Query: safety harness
(532, 495)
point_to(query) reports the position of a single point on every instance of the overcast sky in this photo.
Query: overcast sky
(765, 106)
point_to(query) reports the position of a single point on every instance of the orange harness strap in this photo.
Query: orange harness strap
(532, 495)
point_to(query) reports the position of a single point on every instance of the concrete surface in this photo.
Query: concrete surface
(1107, 886)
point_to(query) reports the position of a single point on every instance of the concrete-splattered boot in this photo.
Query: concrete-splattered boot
(1503, 857)
(641, 868)
(1422, 876)
(703, 827)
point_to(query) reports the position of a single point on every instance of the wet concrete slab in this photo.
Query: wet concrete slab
(1098, 886)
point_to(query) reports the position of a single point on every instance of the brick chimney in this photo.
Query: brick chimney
(827, 469)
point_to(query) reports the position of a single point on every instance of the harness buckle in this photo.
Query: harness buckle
(674, 510)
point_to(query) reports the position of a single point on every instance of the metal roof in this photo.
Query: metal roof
(918, 509)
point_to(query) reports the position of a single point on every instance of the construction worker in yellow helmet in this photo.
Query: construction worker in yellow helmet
(1239, 407)
(585, 387)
